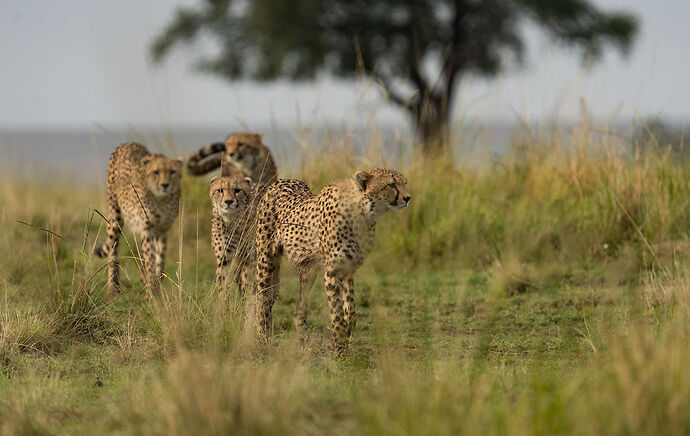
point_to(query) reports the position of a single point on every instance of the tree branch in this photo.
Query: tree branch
(419, 81)
(452, 61)
(391, 94)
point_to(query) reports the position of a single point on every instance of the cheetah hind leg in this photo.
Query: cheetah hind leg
(268, 283)
(306, 281)
(349, 305)
(109, 248)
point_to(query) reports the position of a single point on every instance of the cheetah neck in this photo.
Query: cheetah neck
(358, 208)
(230, 218)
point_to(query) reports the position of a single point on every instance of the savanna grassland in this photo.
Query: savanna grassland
(543, 291)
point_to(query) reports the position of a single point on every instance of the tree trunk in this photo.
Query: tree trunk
(431, 118)
(429, 109)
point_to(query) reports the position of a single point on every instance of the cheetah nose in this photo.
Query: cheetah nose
(165, 185)
(232, 154)
(407, 199)
(229, 202)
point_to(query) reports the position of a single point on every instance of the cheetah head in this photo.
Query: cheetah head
(162, 174)
(385, 189)
(231, 194)
(245, 150)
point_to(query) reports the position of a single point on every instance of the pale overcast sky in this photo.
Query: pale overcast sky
(74, 63)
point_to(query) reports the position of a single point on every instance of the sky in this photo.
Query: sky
(75, 64)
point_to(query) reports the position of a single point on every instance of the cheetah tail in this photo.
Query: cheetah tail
(196, 165)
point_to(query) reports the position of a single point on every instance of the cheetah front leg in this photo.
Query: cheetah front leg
(223, 258)
(349, 305)
(221, 278)
(223, 250)
(148, 253)
(161, 243)
(334, 292)
(243, 276)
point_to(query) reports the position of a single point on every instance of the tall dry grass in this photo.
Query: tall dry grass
(550, 214)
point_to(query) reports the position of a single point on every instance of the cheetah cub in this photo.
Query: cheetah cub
(243, 151)
(232, 232)
(143, 191)
(334, 229)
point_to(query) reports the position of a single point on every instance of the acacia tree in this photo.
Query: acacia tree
(415, 49)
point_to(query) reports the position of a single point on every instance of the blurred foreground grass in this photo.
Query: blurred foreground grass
(543, 291)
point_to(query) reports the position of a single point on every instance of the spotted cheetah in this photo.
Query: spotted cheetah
(232, 231)
(334, 229)
(143, 191)
(245, 151)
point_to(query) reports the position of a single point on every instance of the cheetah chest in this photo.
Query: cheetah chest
(147, 212)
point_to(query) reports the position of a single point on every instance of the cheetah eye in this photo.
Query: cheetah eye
(219, 190)
(237, 191)
(392, 185)
(155, 173)
(173, 172)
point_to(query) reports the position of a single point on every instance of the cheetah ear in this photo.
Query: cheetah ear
(146, 159)
(362, 178)
(179, 162)
(213, 179)
(259, 135)
(248, 180)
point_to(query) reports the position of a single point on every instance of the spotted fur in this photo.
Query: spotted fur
(334, 229)
(143, 192)
(232, 233)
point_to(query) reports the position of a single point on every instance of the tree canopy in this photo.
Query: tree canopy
(416, 49)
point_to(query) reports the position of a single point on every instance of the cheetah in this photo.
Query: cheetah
(334, 230)
(245, 151)
(231, 229)
(143, 191)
